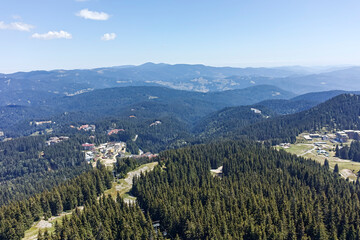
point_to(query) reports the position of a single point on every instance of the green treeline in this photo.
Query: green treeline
(352, 152)
(29, 166)
(263, 194)
(105, 220)
(124, 165)
(17, 217)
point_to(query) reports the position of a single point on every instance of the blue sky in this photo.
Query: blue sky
(220, 33)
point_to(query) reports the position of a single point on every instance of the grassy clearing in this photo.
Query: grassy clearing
(32, 233)
(299, 149)
(347, 168)
(123, 186)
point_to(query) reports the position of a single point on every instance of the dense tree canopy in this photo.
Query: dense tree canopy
(262, 194)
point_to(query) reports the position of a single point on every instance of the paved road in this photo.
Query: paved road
(308, 151)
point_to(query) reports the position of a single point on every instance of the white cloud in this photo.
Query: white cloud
(85, 13)
(108, 36)
(52, 35)
(19, 26)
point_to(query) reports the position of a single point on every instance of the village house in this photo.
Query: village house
(54, 140)
(87, 127)
(88, 146)
(42, 122)
(353, 134)
(155, 123)
(114, 131)
(342, 136)
(307, 137)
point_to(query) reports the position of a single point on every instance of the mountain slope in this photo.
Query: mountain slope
(302, 102)
(197, 78)
(341, 112)
(142, 102)
(230, 118)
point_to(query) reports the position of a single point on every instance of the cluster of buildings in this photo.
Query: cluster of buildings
(55, 140)
(310, 137)
(112, 149)
(344, 136)
(86, 127)
(106, 151)
(340, 136)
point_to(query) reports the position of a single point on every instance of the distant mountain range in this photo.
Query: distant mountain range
(142, 102)
(26, 88)
(206, 113)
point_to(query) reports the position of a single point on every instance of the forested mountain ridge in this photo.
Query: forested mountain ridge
(256, 121)
(184, 115)
(150, 102)
(28, 165)
(341, 112)
(301, 102)
(141, 102)
(231, 118)
(319, 97)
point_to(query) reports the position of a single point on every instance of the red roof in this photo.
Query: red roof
(115, 131)
(87, 145)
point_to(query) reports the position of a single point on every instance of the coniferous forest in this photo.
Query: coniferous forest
(261, 193)
(18, 216)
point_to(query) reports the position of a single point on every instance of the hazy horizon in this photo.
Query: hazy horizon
(83, 34)
(319, 68)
